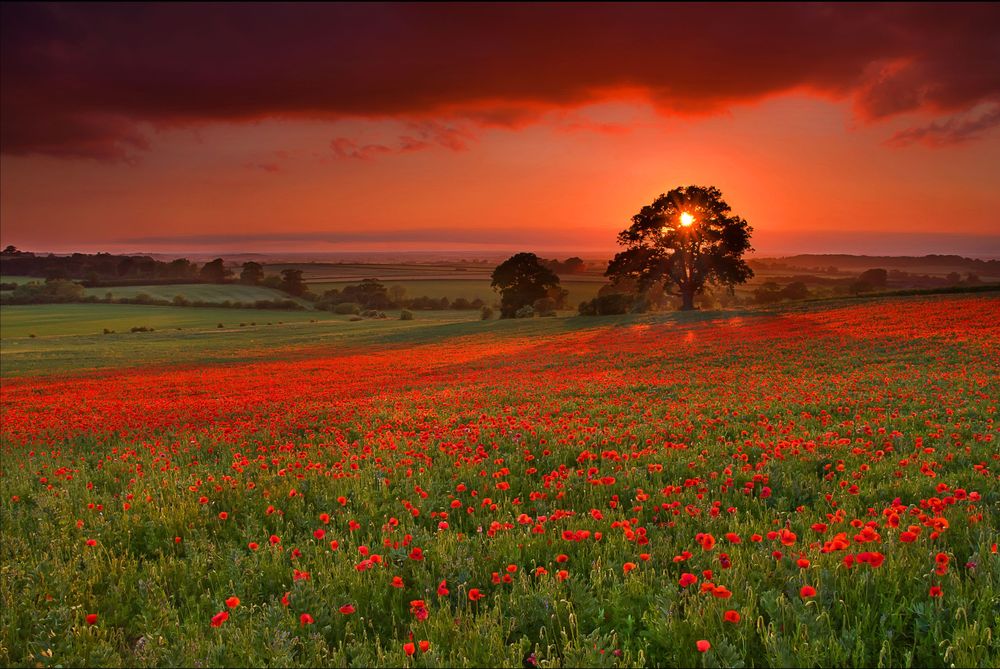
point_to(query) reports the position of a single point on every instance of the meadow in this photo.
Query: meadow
(807, 486)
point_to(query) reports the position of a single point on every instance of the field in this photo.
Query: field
(808, 486)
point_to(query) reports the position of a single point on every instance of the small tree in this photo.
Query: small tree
(689, 237)
(215, 271)
(252, 273)
(520, 280)
(292, 283)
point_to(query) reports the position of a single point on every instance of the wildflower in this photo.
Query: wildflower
(688, 579)
(306, 619)
(475, 595)
(629, 566)
(285, 599)
(233, 602)
(703, 646)
(91, 542)
(409, 648)
(320, 533)
(252, 545)
(275, 539)
(397, 582)
(219, 618)
(91, 618)
(807, 591)
(347, 609)
(223, 515)
(419, 609)
(424, 646)
(936, 591)
(731, 616)
(443, 589)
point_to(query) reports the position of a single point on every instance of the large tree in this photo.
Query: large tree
(688, 237)
(520, 280)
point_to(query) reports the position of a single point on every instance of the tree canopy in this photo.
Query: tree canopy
(688, 237)
(521, 280)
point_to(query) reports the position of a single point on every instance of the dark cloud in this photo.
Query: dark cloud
(420, 135)
(82, 80)
(949, 131)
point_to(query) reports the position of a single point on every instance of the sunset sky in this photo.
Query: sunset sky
(161, 128)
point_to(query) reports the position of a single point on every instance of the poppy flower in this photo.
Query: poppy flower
(419, 609)
(629, 566)
(424, 646)
(443, 589)
(233, 602)
(285, 600)
(562, 574)
(807, 591)
(252, 545)
(936, 591)
(731, 616)
(688, 579)
(703, 646)
(409, 648)
(397, 582)
(475, 595)
(219, 618)
(275, 539)
(223, 515)
(324, 518)
(347, 609)
(417, 554)
(91, 618)
(91, 542)
(306, 619)
(562, 558)
(320, 533)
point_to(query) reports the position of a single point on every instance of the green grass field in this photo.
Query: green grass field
(807, 486)
(203, 292)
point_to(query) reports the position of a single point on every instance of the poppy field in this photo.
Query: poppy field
(811, 487)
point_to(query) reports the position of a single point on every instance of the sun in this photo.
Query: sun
(687, 219)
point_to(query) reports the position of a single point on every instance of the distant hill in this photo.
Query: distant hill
(933, 264)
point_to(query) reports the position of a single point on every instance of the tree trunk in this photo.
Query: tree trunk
(688, 295)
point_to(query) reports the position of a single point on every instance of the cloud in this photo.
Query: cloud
(91, 81)
(421, 135)
(950, 131)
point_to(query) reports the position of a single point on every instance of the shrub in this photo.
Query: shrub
(527, 311)
(347, 308)
(406, 315)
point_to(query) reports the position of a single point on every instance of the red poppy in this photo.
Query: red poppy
(223, 515)
(703, 646)
(443, 589)
(274, 539)
(219, 618)
(320, 533)
(688, 579)
(562, 558)
(91, 542)
(425, 646)
(475, 595)
(807, 591)
(252, 545)
(285, 599)
(91, 618)
(629, 566)
(417, 554)
(409, 648)
(347, 609)
(397, 582)
(936, 591)
(731, 616)
(233, 602)
(306, 619)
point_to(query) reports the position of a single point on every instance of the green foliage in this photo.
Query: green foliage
(521, 280)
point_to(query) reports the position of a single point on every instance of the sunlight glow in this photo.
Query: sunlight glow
(687, 219)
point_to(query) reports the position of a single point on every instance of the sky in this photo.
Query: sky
(168, 128)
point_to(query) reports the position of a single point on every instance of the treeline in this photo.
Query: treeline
(59, 291)
(372, 294)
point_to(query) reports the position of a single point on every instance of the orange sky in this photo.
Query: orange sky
(819, 158)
